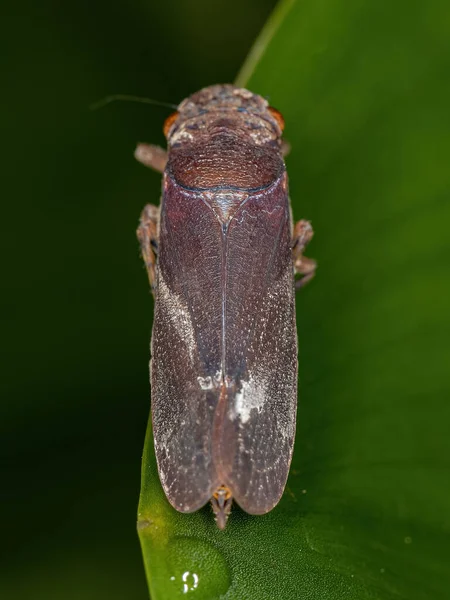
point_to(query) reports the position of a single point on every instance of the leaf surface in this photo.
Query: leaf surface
(365, 91)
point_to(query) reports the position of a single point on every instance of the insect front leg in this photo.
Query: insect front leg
(303, 233)
(151, 156)
(285, 147)
(148, 234)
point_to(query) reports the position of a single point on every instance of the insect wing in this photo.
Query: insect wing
(261, 353)
(186, 349)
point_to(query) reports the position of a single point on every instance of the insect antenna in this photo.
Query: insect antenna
(127, 98)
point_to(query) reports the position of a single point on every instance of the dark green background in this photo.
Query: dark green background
(76, 309)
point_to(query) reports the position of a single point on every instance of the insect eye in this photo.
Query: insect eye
(169, 122)
(277, 116)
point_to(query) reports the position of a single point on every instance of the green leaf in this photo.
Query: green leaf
(364, 87)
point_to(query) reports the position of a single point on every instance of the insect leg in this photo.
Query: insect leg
(221, 502)
(151, 156)
(285, 147)
(303, 233)
(148, 233)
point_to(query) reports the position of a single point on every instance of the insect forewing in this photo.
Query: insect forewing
(186, 350)
(258, 425)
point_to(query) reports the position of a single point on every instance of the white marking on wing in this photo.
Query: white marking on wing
(252, 396)
(178, 314)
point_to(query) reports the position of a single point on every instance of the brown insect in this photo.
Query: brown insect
(221, 255)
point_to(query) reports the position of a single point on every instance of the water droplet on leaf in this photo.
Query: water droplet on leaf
(197, 569)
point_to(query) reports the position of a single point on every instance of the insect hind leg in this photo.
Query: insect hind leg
(221, 502)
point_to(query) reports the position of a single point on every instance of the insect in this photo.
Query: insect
(221, 254)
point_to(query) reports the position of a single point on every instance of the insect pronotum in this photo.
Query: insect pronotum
(221, 254)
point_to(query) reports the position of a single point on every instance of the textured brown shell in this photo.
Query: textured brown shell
(224, 345)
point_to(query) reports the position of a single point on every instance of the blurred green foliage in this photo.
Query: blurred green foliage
(76, 308)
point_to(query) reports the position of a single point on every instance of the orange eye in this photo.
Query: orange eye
(277, 116)
(169, 122)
